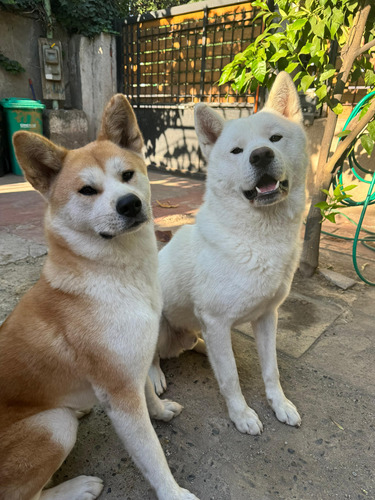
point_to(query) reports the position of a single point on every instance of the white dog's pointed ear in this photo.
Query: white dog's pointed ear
(284, 98)
(40, 159)
(208, 125)
(119, 125)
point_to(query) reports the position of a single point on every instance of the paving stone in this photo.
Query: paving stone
(302, 320)
(338, 279)
(14, 248)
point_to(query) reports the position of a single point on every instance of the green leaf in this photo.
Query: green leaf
(325, 191)
(338, 16)
(338, 109)
(337, 190)
(370, 77)
(306, 49)
(367, 143)
(371, 130)
(326, 75)
(297, 25)
(319, 29)
(241, 80)
(306, 82)
(352, 6)
(344, 133)
(331, 217)
(279, 54)
(321, 92)
(291, 67)
(322, 205)
(349, 188)
(259, 69)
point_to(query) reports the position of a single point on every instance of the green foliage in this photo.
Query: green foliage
(368, 138)
(86, 17)
(330, 208)
(297, 38)
(127, 7)
(10, 65)
(21, 5)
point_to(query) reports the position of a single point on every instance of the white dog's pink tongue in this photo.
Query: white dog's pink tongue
(268, 187)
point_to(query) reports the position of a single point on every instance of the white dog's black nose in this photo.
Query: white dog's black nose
(129, 205)
(262, 157)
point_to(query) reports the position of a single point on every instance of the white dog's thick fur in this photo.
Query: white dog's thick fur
(237, 262)
(87, 331)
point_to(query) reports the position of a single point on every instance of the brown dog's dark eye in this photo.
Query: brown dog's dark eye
(126, 176)
(276, 138)
(236, 151)
(88, 191)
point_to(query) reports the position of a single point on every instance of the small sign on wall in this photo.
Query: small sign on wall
(50, 56)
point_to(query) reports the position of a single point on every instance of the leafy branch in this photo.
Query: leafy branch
(300, 38)
(10, 65)
(330, 208)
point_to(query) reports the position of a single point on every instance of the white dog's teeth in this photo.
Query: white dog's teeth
(277, 185)
(258, 190)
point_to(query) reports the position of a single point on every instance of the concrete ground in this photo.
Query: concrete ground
(326, 351)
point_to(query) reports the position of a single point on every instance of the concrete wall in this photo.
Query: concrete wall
(19, 41)
(89, 72)
(98, 77)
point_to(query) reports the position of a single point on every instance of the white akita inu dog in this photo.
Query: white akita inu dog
(237, 262)
(87, 331)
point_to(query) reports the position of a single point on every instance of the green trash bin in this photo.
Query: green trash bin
(21, 114)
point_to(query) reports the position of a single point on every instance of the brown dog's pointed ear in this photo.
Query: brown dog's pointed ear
(284, 98)
(208, 126)
(39, 158)
(120, 126)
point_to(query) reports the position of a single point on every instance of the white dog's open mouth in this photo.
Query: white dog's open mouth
(268, 190)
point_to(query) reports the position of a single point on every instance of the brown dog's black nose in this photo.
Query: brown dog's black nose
(262, 157)
(129, 205)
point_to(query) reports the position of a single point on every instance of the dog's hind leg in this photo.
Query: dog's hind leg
(200, 347)
(32, 449)
(157, 376)
(265, 334)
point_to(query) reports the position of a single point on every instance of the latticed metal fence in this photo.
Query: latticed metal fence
(178, 59)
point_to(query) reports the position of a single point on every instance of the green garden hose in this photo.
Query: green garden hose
(369, 200)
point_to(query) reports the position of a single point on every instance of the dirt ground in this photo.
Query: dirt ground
(326, 350)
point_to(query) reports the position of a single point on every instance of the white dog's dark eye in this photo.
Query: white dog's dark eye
(236, 151)
(126, 176)
(276, 138)
(88, 191)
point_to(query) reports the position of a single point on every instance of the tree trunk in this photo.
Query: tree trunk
(310, 253)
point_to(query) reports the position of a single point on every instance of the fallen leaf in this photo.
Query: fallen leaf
(166, 204)
(338, 425)
(163, 236)
(364, 266)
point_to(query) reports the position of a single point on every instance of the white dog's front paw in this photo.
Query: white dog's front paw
(247, 422)
(168, 410)
(287, 413)
(158, 379)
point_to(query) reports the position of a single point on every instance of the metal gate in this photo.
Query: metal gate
(176, 57)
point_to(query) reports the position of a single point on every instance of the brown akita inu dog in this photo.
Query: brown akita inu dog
(87, 331)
